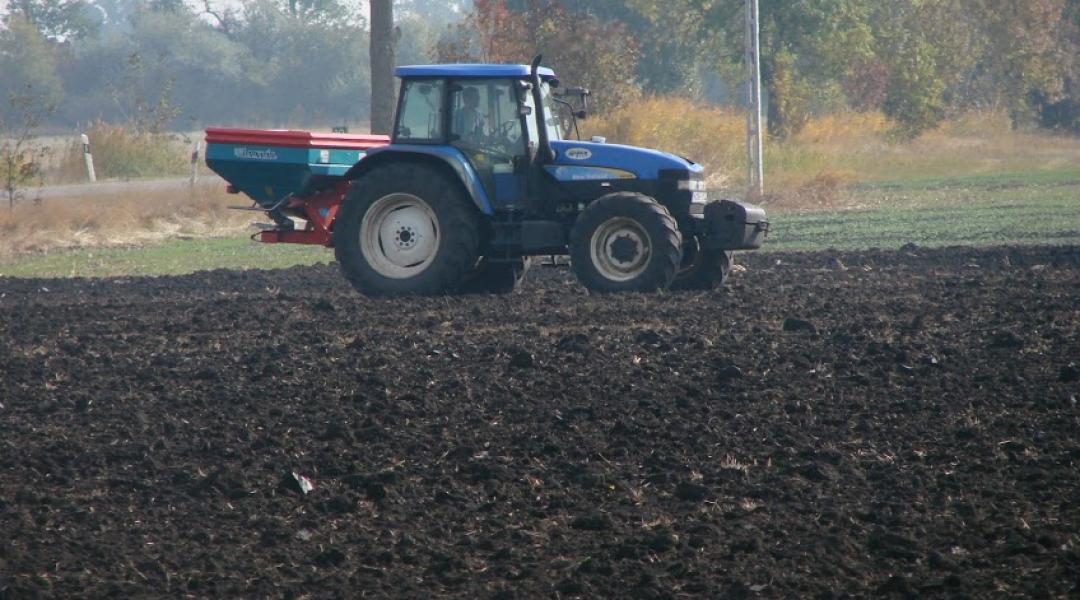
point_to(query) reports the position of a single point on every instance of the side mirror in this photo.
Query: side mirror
(553, 83)
(581, 114)
(524, 110)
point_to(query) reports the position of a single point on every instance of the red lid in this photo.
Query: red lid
(294, 139)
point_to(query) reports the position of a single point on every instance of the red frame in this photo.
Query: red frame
(319, 226)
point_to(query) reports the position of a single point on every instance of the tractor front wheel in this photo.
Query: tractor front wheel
(625, 242)
(702, 269)
(405, 229)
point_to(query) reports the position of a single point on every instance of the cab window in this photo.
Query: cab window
(484, 116)
(420, 113)
(551, 116)
(486, 125)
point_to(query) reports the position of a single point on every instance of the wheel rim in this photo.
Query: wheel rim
(620, 249)
(399, 236)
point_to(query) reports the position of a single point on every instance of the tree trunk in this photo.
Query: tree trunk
(382, 66)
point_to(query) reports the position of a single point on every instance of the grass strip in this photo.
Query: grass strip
(976, 211)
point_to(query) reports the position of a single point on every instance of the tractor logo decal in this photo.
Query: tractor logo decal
(260, 154)
(579, 154)
(586, 173)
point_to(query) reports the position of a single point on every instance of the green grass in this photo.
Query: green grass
(1018, 208)
(1030, 180)
(1035, 207)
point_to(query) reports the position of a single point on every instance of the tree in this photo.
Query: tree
(20, 159)
(913, 95)
(421, 23)
(949, 56)
(302, 66)
(438, 12)
(865, 84)
(806, 47)
(162, 65)
(55, 19)
(582, 49)
(382, 66)
(1026, 47)
(1064, 113)
(28, 64)
(673, 64)
(911, 53)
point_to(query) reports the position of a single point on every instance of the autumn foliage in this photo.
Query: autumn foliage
(584, 51)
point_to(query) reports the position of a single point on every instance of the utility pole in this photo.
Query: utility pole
(755, 169)
(382, 66)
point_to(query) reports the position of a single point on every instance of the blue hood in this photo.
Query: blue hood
(643, 163)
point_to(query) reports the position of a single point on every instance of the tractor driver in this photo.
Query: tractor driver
(469, 124)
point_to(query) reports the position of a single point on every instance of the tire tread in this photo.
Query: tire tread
(667, 250)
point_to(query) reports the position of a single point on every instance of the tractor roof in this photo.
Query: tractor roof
(471, 71)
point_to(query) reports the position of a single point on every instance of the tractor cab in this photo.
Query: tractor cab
(484, 116)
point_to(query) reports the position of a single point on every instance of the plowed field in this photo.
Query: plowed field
(825, 425)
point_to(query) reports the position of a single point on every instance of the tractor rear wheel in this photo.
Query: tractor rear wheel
(625, 242)
(406, 229)
(702, 269)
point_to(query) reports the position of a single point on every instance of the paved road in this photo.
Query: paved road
(109, 187)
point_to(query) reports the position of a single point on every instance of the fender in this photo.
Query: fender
(447, 155)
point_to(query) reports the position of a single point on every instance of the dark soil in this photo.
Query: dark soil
(832, 424)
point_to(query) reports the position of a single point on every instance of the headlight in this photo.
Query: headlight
(692, 185)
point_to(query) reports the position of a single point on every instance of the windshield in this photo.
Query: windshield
(551, 116)
(420, 112)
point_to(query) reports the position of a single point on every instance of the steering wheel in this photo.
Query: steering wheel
(504, 129)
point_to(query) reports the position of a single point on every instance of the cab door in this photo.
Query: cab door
(486, 125)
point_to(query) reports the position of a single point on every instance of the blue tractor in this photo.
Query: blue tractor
(477, 178)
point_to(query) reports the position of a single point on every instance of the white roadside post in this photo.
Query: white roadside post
(88, 158)
(195, 165)
(755, 170)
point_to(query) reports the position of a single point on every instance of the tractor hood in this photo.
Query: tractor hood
(576, 160)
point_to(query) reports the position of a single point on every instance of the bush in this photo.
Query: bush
(120, 152)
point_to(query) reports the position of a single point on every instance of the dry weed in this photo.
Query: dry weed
(824, 191)
(120, 152)
(118, 220)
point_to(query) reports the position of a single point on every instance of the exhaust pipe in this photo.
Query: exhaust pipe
(546, 153)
